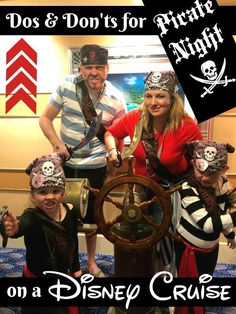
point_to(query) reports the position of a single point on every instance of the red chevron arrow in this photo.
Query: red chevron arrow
(21, 95)
(21, 62)
(21, 79)
(22, 45)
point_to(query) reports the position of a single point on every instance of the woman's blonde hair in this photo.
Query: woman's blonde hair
(176, 113)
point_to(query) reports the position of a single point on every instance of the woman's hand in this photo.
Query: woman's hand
(114, 157)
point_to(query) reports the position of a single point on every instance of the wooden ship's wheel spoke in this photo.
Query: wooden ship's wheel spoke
(150, 222)
(146, 204)
(133, 228)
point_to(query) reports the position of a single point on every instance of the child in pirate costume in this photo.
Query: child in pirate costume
(204, 215)
(49, 227)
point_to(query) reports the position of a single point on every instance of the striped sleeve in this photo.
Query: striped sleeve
(195, 212)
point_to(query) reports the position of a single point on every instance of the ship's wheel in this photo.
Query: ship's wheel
(133, 227)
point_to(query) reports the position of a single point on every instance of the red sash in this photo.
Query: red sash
(185, 310)
(188, 268)
(188, 264)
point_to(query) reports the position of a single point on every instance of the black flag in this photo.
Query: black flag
(201, 51)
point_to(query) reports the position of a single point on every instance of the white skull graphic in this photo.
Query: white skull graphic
(48, 168)
(209, 69)
(210, 153)
(156, 76)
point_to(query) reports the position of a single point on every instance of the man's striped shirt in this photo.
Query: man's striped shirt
(74, 126)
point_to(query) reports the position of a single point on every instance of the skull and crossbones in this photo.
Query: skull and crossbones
(213, 78)
(210, 153)
(156, 76)
(209, 69)
(48, 168)
(205, 158)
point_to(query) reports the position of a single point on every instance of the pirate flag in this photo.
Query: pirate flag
(201, 52)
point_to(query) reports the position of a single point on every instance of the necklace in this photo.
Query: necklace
(60, 208)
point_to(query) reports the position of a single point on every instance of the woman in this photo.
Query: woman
(166, 128)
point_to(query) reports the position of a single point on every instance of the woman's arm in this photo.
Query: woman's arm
(111, 144)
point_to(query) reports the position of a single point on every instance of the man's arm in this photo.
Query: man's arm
(46, 124)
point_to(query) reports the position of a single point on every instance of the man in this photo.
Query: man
(90, 91)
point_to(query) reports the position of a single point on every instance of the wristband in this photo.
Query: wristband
(111, 149)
